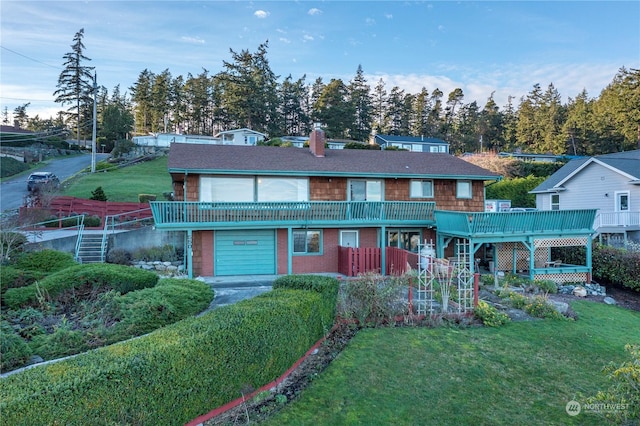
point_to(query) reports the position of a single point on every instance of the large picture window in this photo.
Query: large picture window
(421, 189)
(406, 239)
(283, 189)
(365, 190)
(307, 241)
(226, 189)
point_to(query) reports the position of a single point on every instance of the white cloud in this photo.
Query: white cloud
(261, 14)
(284, 40)
(307, 37)
(194, 40)
(370, 21)
(314, 11)
(388, 15)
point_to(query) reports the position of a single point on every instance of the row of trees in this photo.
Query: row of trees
(247, 93)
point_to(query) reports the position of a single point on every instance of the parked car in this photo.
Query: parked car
(522, 209)
(42, 180)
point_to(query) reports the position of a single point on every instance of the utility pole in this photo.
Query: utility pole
(95, 114)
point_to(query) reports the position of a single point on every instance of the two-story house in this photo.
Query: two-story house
(412, 143)
(273, 210)
(609, 183)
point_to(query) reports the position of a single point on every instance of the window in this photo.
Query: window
(433, 148)
(365, 190)
(283, 189)
(421, 189)
(443, 148)
(350, 239)
(226, 189)
(463, 189)
(404, 238)
(555, 201)
(306, 242)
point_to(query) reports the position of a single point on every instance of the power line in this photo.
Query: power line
(31, 59)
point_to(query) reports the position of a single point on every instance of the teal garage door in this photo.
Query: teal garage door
(245, 253)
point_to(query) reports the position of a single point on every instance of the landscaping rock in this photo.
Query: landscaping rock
(561, 307)
(580, 291)
(609, 300)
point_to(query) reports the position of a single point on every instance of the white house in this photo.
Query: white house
(240, 137)
(164, 140)
(609, 183)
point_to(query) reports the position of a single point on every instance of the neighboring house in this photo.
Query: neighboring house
(241, 137)
(542, 158)
(411, 143)
(609, 183)
(269, 210)
(164, 140)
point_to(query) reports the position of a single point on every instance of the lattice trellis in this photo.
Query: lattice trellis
(444, 286)
(560, 242)
(571, 277)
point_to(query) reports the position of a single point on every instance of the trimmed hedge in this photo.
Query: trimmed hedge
(177, 373)
(117, 277)
(617, 266)
(327, 286)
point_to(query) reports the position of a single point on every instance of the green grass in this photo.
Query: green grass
(521, 373)
(124, 184)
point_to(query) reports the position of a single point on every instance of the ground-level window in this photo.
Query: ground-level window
(306, 241)
(463, 189)
(555, 201)
(406, 239)
(421, 189)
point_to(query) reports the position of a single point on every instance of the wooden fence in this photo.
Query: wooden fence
(355, 261)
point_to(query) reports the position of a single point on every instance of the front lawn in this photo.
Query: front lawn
(521, 373)
(125, 183)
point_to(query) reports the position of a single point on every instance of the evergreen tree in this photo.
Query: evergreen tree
(75, 83)
(20, 116)
(491, 126)
(578, 125)
(333, 109)
(420, 114)
(379, 110)
(359, 93)
(141, 97)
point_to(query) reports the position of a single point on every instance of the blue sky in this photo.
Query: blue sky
(482, 47)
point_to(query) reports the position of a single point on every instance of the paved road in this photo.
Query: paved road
(14, 190)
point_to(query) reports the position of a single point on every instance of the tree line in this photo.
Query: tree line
(247, 93)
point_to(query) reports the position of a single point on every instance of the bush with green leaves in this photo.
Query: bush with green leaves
(119, 256)
(12, 277)
(546, 286)
(171, 300)
(539, 306)
(166, 253)
(96, 276)
(98, 194)
(14, 350)
(613, 265)
(46, 261)
(624, 392)
(489, 315)
(174, 374)
(514, 299)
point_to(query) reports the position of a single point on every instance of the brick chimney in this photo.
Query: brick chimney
(316, 142)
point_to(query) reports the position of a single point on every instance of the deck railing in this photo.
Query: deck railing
(194, 215)
(539, 222)
(622, 219)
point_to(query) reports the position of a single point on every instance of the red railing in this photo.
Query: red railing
(69, 206)
(354, 261)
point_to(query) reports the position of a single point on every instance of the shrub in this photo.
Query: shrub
(11, 242)
(145, 198)
(118, 277)
(14, 351)
(489, 315)
(546, 286)
(98, 194)
(10, 166)
(169, 301)
(62, 342)
(624, 391)
(617, 266)
(12, 277)
(166, 253)
(46, 261)
(174, 374)
(119, 256)
(516, 300)
(328, 287)
(539, 307)
(372, 299)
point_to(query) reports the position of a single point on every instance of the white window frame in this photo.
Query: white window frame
(350, 231)
(416, 188)
(554, 205)
(459, 187)
(301, 187)
(208, 185)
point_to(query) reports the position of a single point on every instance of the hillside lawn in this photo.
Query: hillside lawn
(125, 183)
(521, 373)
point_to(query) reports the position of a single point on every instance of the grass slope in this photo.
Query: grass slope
(521, 373)
(124, 184)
